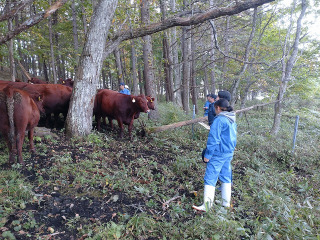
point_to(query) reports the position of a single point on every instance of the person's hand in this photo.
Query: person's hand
(206, 160)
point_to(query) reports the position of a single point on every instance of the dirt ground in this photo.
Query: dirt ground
(68, 207)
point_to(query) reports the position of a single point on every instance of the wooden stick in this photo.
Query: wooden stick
(201, 119)
(24, 71)
(165, 204)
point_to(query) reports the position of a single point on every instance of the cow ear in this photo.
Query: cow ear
(152, 99)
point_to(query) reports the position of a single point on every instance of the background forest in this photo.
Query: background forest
(101, 187)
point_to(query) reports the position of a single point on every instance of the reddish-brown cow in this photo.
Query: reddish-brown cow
(68, 82)
(20, 112)
(118, 106)
(56, 97)
(150, 106)
(36, 81)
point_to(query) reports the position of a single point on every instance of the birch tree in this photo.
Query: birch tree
(289, 57)
(79, 119)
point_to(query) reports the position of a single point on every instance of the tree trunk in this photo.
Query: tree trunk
(75, 31)
(84, 20)
(166, 58)
(141, 83)
(175, 60)
(79, 119)
(11, 48)
(45, 71)
(212, 65)
(287, 66)
(118, 65)
(194, 91)
(227, 49)
(135, 90)
(185, 69)
(148, 73)
(52, 63)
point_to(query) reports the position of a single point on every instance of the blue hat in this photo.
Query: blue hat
(121, 84)
(224, 94)
(213, 96)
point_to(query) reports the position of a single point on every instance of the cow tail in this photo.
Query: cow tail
(10, 109)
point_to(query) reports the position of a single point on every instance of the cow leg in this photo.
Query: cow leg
(31, 144)
(48, 119)
(11, 147)
(110, 122)
(98, 120)
(130, 126)
(56, 119)
(105, 121)
(20, 138)
(121, 127)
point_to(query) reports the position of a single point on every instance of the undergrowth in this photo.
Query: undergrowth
(101, 187)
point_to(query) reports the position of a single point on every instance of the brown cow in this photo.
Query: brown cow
(121, 107)
(20, 112)
(151, 106)
(68, 82)
(56, 97)
(36, 81)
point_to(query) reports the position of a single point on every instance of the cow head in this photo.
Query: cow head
(141, 103)
(150, 102)
(38, 99)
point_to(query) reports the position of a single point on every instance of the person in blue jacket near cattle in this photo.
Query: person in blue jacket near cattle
(206, 106)
(211, 112)
(221, 143)
(123, 89)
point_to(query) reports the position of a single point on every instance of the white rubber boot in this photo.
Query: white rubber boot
(208, 197)
(226, 194)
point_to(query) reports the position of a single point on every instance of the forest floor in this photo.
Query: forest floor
(72, 185)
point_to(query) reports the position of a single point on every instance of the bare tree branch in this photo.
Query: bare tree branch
(181, 21)
(14, 10)
(32, 21)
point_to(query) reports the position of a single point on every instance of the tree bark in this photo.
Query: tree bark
(148, 73)
(84, 19)
(79, 119)
(175, 61)
(118, 65)
(166, 58)
(194, 90)
(75, 30)
(185, 43)
(227, 49)
(212, 56)
(11, 52)
(287, 66)
(135, 90)
(52, 62)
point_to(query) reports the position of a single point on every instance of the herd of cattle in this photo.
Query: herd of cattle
(22, 104)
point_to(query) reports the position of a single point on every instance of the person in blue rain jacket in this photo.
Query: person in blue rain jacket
(123, 89)
(206, 106)
(221, 144)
